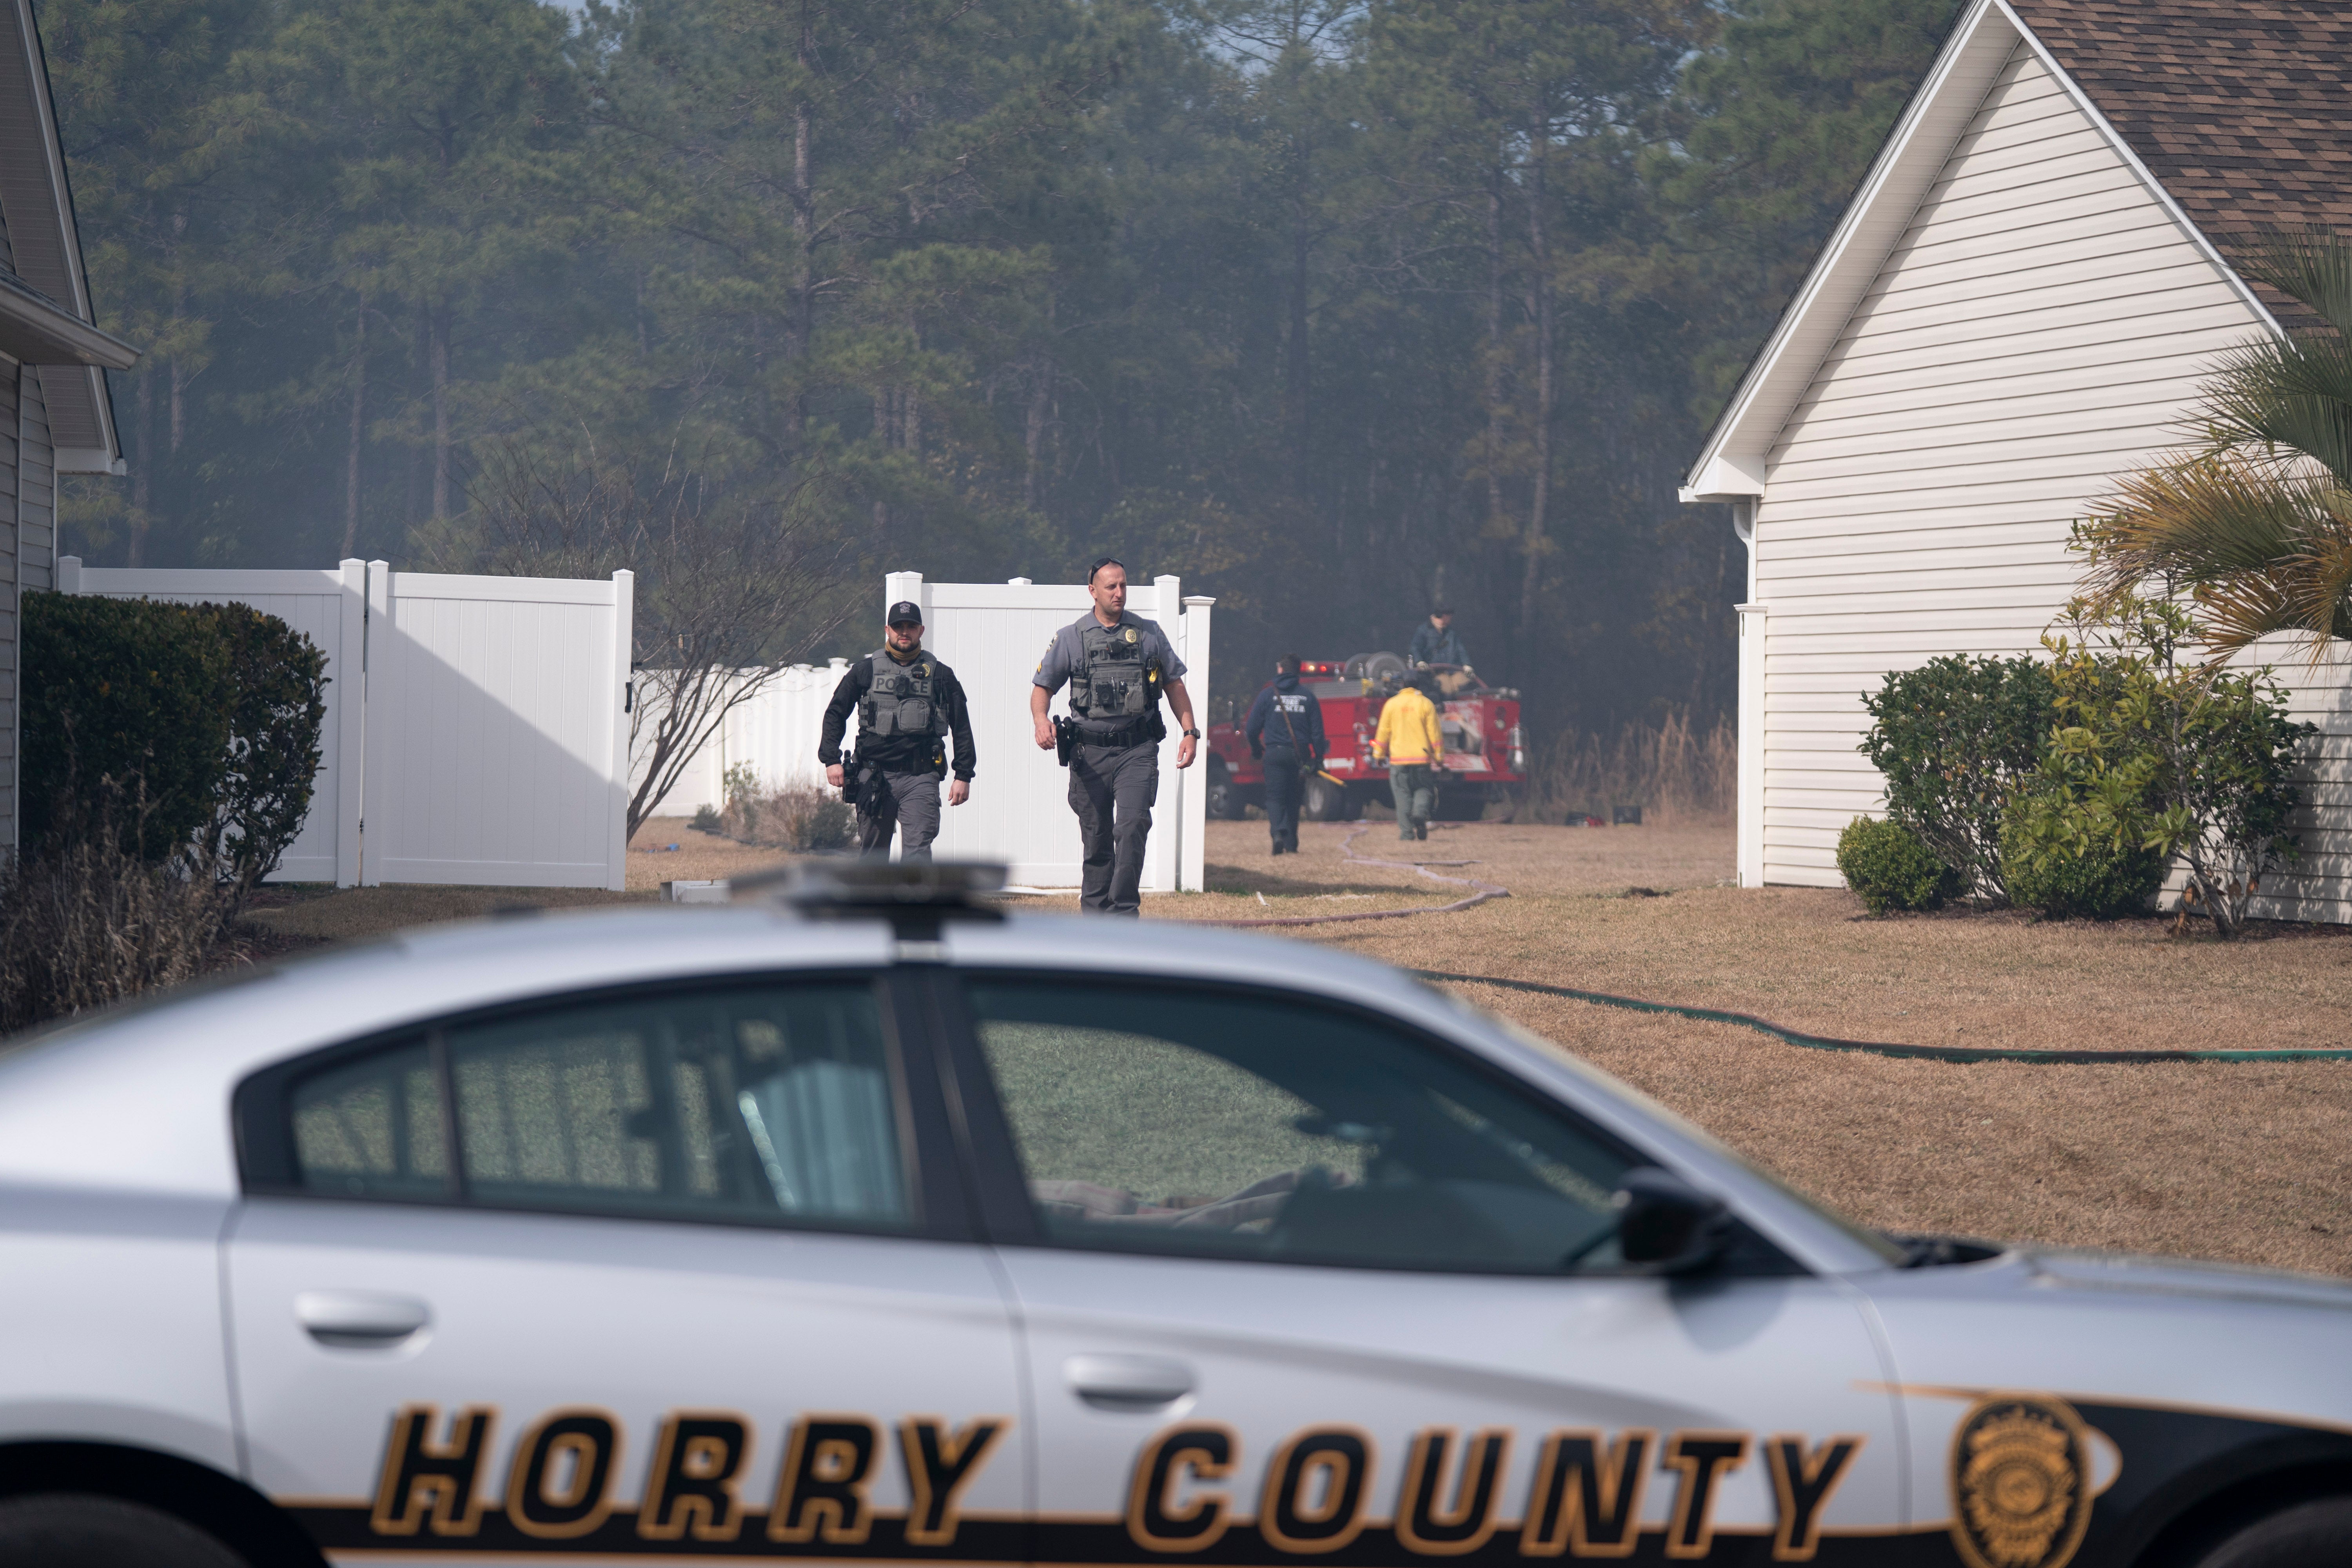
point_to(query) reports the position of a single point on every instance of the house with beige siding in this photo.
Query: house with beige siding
(55, 416)
(2017, 308)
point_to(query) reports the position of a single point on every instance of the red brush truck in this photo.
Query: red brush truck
(1485, 756)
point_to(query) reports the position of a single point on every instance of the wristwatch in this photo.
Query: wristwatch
(1192, 735)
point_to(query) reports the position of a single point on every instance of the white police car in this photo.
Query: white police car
(905, 1234)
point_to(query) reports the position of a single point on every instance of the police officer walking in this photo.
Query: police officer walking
(907, 704)
(1286, 730)
(1117, 666)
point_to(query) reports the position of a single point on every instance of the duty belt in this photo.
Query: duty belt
(1128, 734)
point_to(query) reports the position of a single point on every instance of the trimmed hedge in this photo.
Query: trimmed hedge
(122, 689)
(1890, 868)
(205, 718)
(278, 679)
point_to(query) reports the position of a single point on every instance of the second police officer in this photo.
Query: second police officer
(907, 704)
(1285, 730)
(1117, 666)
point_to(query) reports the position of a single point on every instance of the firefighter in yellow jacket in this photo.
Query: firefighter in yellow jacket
(1408, 742)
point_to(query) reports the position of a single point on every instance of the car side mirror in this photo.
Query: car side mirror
(1665, 1226)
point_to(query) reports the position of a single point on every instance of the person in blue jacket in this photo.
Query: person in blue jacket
(1286, 730)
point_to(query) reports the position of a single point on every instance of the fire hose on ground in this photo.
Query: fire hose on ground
(1484, 891)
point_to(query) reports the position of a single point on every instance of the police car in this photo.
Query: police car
(868, 1225)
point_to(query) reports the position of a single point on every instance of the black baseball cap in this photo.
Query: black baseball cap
(905, 611)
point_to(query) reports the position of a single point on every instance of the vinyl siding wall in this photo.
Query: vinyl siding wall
(17, 572)
(2041, 327)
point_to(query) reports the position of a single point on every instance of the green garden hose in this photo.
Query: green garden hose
(1884, 1048)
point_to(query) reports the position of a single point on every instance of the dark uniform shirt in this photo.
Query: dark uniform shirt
(899, 753)
(1431, 645)
(1286, 718)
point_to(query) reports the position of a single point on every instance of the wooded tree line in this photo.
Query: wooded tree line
(1335, 307)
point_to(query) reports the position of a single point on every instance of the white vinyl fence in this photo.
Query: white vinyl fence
(772, 732)
(477, 726)
(991, 635)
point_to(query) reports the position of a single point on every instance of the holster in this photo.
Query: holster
(1066, 740)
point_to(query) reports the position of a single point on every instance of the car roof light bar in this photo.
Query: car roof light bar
(911, 895)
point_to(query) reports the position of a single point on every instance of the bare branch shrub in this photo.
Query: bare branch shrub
(731, 586)
(85, 922)
(805, 817)
(1671, 769)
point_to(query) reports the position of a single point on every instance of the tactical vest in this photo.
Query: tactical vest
(899, 702)
(1114, 679)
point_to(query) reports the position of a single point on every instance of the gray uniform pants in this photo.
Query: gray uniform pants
(1112, 789)
(1414, 789)
(908, 802)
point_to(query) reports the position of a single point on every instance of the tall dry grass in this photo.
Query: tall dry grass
(1675, 772)
(84, 921)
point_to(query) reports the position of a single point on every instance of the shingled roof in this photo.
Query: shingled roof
(2241, 109)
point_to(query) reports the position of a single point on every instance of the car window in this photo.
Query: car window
(374, 1128)
(1220, 1124)
(751, 1103)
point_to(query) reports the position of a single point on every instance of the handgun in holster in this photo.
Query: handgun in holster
(1066, 739)
(851, 783)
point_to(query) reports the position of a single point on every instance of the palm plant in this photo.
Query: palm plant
(2257, 526)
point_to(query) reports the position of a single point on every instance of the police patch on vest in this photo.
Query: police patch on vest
(2020, 1482)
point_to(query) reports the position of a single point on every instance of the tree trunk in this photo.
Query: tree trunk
(801, 329)
(358, 433)
(1495, 350)
(179, 314)
(439, 328)
(1297, 367)
(1532, 547)
(142, 473)
(1041, 394)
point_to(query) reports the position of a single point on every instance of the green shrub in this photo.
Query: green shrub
(277, 682)
(1952, 738)
(210, 714)
(1890, 868)
(2156, 755)
(121, 690)
(2059, 872)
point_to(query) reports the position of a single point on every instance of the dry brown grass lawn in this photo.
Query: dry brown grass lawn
(2240, 1162)
(326, 914)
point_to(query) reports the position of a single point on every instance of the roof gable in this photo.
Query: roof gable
(1732, 464)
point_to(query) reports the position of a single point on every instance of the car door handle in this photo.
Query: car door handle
(1127, 1383)
(359, 1319)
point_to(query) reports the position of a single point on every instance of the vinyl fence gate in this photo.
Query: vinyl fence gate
(477, 726)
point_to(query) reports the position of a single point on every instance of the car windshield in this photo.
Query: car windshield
(1893, 1250)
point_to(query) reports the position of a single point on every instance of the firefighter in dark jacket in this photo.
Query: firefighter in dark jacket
(907, 704)
(1286, 730)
